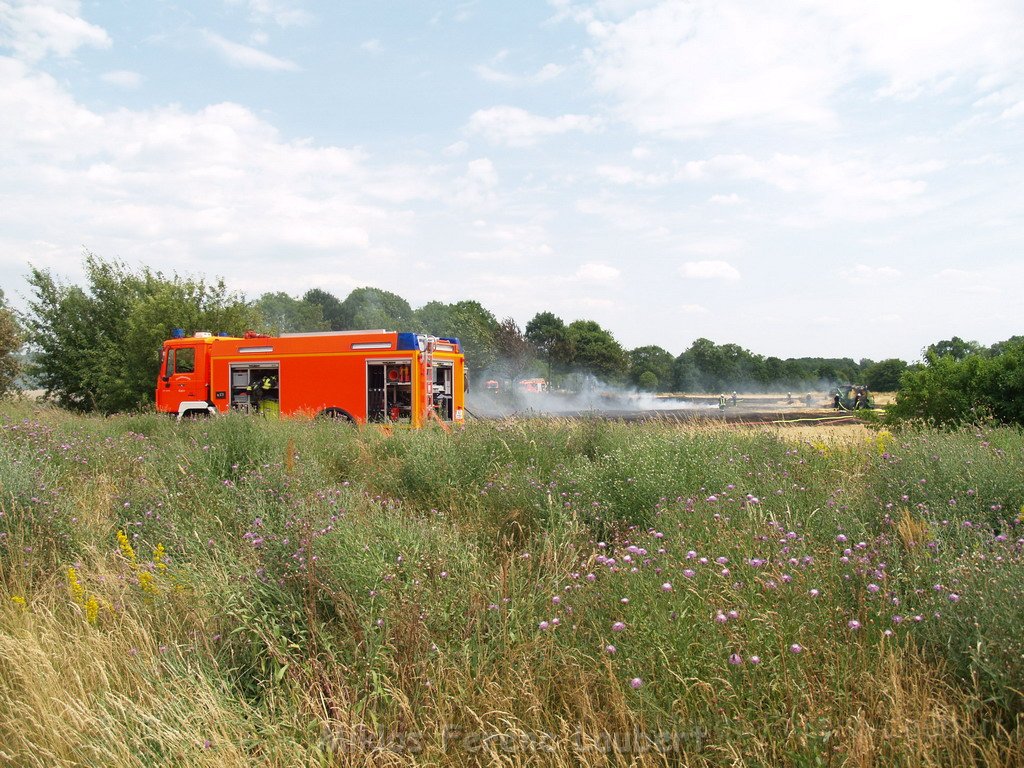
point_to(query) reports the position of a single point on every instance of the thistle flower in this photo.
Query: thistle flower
(635, 683)
(618, 626)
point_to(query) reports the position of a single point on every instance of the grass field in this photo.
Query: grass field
(240, 592)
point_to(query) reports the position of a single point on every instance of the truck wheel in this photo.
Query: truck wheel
(337, 414)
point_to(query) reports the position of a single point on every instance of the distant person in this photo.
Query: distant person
(837, 401)
(807, 400)
(789, 398)
(721, 402)
(734, 398)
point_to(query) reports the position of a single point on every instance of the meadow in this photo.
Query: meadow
(235, 592)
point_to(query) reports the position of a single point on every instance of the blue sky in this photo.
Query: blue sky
(800, 178)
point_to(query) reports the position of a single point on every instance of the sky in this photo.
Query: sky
(799, 177)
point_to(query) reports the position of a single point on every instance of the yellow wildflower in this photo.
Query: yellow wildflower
(92, 609)
(159, 557)
(126, 547)
(883, 441)
(74, 587)
(146, 581)
(18, 600)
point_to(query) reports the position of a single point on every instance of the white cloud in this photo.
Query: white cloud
(713, 246)
(545, 74)
(372, 46)
(173, 186)
(246, 57)
(709, 270)
(856, 187)
(598, 273)
(620, 174)
(966, 281)
(35, 29)
(685, 68)
(284, 13)
(592, 302)
(456, 149)
(122, 78)
(692, 309)
(514, 127)
(730, 199)
(864, 274)
(476, 186)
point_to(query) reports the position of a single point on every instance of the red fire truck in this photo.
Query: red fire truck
(358, 376)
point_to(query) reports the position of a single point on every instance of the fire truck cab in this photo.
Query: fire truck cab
(359, 376)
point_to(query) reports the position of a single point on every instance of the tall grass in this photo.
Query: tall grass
(240, 591)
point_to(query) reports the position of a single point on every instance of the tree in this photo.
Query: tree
(10, 343)
(474, 326)
(948, 390)
(885, 376)
(956, 348)
(648, 382)
(514, 352)
(596, 351)
(651, 360)
(95, 348)
(547, 333)
(367, 308)
(330, 307)
(283, 314)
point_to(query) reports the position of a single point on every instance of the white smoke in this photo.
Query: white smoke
(581, 393)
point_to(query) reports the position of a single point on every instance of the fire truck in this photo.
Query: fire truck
(357, 376)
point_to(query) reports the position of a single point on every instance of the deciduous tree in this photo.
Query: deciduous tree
(96, 347)
(10, 343)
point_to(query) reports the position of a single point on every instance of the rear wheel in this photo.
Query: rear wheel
(337, 414)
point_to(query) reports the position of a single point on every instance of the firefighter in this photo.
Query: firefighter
(721, 401)
(734, 398)
(258, 390)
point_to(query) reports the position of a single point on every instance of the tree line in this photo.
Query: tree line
(93, 347)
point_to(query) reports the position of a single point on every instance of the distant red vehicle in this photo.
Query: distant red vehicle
(533, 385)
